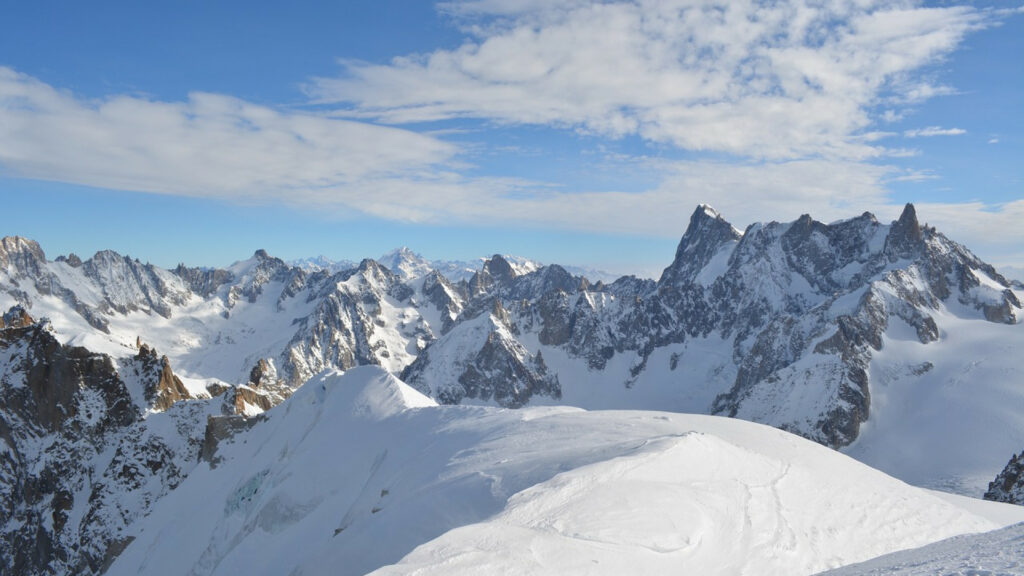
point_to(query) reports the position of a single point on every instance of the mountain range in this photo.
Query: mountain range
(128, 391)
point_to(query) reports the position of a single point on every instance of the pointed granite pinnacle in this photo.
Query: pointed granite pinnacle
(905, 236)
(908, 221)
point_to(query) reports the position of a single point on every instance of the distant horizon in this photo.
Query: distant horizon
(1013, 272)
(580, 132)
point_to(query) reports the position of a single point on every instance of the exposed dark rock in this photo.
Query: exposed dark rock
(215, 389)
(500, 374)
(21, 256)
(705, 236)
(905, 239)
(221, 428)
(494, 273)
(60, 408)
(71, 259)
(203, 281)
(16, 317)
(245, 395)
(1008, 486)
(262, 373)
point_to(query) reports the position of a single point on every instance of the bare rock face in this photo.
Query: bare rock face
(264, 391)
(79, 463)
(204, 282)
(1008, 486)
(22, 256)
(707, 234)
(220, 428)
(16, 317)
(163, 388)
(448, 298)
(486, 363)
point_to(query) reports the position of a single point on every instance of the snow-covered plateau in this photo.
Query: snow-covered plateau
(786, 399)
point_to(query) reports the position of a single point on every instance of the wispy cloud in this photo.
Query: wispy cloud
(932, 131)
(790, 92)
(208, 145)
(781, 81)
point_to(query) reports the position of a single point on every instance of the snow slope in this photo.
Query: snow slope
(360, 472)
(996, 553)
(954, 404)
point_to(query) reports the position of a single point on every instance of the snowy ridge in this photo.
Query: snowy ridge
(451, 490)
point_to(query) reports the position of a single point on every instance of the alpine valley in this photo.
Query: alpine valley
(787, 399)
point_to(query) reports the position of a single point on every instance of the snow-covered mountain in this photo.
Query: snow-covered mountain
(321, 262)
(848, 333)
(431, 489)
(888, 341)
(851, 334)
(409, 265)
(89, 443)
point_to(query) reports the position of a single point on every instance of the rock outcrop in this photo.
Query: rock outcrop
(79, 463)
(1008, 486)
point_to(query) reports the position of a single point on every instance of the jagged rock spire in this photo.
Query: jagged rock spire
(905, 237)
(16, 317)
(705, 235)
(497, 270)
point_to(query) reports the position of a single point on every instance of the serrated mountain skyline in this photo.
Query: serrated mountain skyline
(863, 336)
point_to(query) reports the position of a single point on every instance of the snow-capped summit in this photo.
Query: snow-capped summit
(704, 249)
(321, 262)
(407, 264)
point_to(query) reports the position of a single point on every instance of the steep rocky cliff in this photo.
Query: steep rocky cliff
(80, 460)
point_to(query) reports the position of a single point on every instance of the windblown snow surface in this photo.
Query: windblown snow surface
(359, 473)
(997, 553)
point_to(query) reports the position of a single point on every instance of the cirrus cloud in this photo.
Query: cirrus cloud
(767, 80)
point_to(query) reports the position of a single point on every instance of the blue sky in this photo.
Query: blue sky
(579, 132)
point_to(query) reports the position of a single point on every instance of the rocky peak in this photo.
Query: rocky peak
(1009, 484)
(706, 234)
(16, 317)
(263, 373)
(203, 281)
(71, 259)
(499, 268)
(261, 254)
(501, 315)
(905, 238)
(21, 256)
(495, 271)
(380, 278)
(56, 377)
(405, 263)
(163, 388)
(369, 265)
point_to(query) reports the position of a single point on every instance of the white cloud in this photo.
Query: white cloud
(789, 90)
(209, 145)
(992, 231)
(781, 80)
(932, 131)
